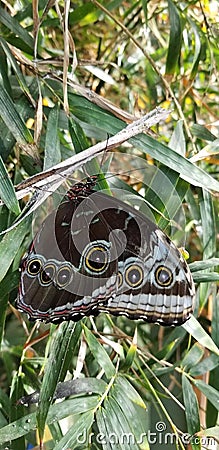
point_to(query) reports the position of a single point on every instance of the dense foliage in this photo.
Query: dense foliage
(74, 74)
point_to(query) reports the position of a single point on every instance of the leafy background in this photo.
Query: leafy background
(132, 377)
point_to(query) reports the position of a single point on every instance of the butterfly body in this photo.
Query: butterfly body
(97, 254)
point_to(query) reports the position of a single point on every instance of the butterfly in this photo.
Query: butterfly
(96, 254)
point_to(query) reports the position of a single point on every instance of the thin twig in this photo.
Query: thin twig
(71, 164)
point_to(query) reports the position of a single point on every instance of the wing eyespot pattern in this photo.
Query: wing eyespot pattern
(163, 276)
(134, 276)
(96, 257)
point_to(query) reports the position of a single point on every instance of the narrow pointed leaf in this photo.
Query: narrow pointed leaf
(175, 38)
(99, 353)
(78, 433)
(101, 120)
(191, 409)
(57, 412)
(137, 421)
(210, 392)
(12, 24)
(52, 144)
(101, 419)
(53, 370)
(9, 247)
(193, 327)
(12, 119)
(193, 356)
(131, 393)
(7, 192)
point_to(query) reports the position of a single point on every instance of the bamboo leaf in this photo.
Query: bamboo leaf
(52, 374)
(174, 39)
(52, 144)
(102, 120)
(131, 392)
(194, 355)
(195, 329)
(206, 365)
(191, 409)
(78, 433)
(137, 421)
(16, 68)
(12, 24)
(12, 119)
(7, 192)
(205, 264)
(99, 353)
(57, 412)
(9, 246)
(210, 392)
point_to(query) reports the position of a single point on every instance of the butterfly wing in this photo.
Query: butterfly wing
(155, 287)
(67, 271)
(96, 254)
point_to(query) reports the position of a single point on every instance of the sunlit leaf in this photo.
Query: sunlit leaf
(99, 353)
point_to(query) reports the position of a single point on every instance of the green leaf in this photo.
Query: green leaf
(131, 392)
(78, 136)
(205, 264)
(201, 132)
(78, 433)
(116, 424)
(16, 392)
(16, 68)
(99, 353)
(195, 329)
(208, 224)
(12, 24)
(171, 197)
(103, 429)
(70, 349)
(82, 12)
(18, 428)
(12, 119)
(9, 246)
(206, 365)
(208, 237)
(52, 144)
(7, 192)
(210, 392)
(53, 370)
(137, 420)
(191, 409)
(102, 120)
(186, 169)
(199, 277)
(130, 358)
(192, 357)
(175, 39)
(75, 405)
(57, 412)
(5, 79)
(197, 52)
(178, 141)
(212, 412)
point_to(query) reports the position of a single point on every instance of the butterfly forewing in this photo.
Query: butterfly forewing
(96, 253)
